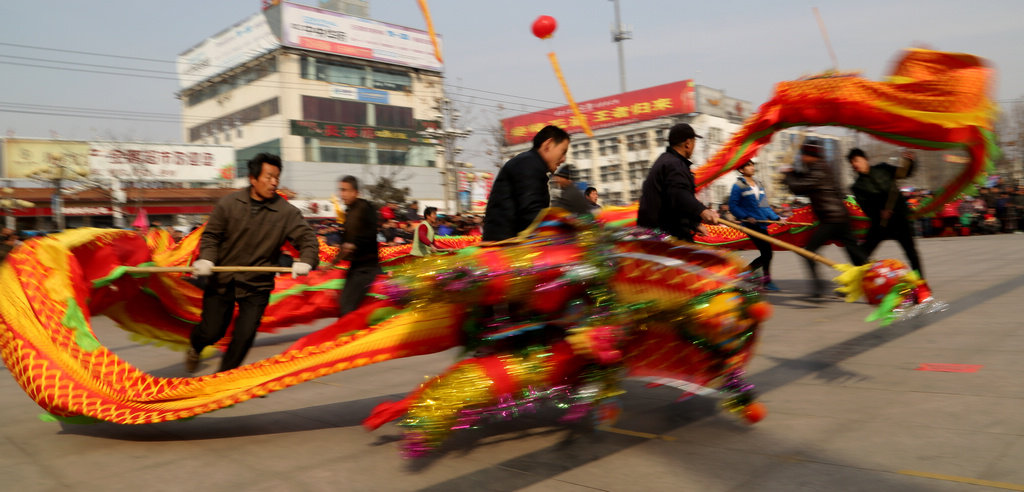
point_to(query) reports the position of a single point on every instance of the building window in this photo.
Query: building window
(660, 138)
(611, 173)
(581, 151)
(225, 85)
(352, 154)
(583, 175)
(337, 72)
(390, 80)
(714, 135)
(333, 72)
(392, 155)
(634, 195)
(333, 110)
(638, 169)
(394, 116)
(636, 141)
(608, 146)
(223, 124)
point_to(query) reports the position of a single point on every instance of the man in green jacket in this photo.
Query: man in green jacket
(247, 228)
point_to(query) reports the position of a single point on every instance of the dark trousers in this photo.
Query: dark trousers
(839, 231)
(217, 312)
(764, 261)
(357, 285)
(898, 229)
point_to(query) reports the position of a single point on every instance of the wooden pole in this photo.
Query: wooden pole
(189, 269)
(782, 244)
(782, 222)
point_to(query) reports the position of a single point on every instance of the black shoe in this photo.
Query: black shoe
(191, 360)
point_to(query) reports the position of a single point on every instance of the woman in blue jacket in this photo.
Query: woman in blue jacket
(748, 202)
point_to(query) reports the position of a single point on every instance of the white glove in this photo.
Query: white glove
(300, 268)
(202, 268)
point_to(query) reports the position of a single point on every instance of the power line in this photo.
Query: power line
(215, 66)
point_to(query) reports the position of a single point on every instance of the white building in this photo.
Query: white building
(331, 93)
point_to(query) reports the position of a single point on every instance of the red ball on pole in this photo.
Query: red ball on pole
(544, 26)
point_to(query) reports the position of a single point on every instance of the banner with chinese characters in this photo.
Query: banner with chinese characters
(129, 161)
(333, 32)
(620, 109)
(345, 131)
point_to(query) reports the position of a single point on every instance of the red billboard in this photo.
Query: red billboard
(620, 109)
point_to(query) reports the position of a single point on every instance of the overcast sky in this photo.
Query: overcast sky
(743, 47)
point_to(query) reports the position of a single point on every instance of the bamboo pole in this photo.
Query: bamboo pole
(782, 244)
(189, 269)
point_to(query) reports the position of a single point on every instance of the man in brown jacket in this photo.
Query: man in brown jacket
(247, 228)
(817, 182)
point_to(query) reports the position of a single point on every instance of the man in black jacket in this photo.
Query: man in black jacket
(358, 246)
(880, 199)
(668, 201)
(520, 191)
(571, 198)
(817, 182)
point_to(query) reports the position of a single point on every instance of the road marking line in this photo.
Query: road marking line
(973, 481)
(635, 433)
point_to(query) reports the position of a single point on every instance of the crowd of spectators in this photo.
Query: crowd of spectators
(396, 224)
(997, 210)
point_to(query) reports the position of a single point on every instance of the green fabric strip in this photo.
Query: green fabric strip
(117, 273)
(77, 419)
(75, 320)
(300, 288)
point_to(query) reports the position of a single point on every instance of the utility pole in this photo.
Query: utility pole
(56, 174)
(448, 134)
(9, 204)
(621, 33)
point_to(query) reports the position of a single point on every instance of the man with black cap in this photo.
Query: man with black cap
(571, 198)
(520, 191)
(668, 201)
(817, 182)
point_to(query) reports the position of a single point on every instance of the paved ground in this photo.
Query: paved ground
(847, 411)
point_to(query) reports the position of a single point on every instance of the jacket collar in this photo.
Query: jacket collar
(749, 182)
(672, 151)
(244, 196)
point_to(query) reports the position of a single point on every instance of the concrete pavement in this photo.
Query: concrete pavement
(847, 411)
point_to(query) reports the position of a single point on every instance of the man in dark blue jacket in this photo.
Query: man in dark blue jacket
(520, 191)
(668, 201)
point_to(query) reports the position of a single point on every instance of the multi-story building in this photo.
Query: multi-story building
(333, 94)
(631, 129)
